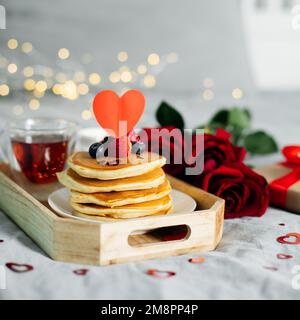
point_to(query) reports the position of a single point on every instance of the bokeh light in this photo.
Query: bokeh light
(83, 89)
(141, 69)
(237, 93)
(41, 86)
(126, 76)
(208, 83)
(153, 59)
(94, 78)
(63, 53)
(29, 84)
(28, 71)
(79, 76)
(18, 110)
(12, 44)
(208, 94)
(172, 57)
(27, 47)
(149, 81)
(61, 77)
(122, 56)
(34, 104)
(115, 77)
(12, 68)
(86, 115)
(4, 90)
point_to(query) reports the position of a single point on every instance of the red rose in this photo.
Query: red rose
(245, 192)
(218, 150)
(159, 141)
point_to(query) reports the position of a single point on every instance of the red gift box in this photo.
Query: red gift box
(284, 180)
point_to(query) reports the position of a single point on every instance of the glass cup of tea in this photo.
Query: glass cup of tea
(39, 148)
(3, 156)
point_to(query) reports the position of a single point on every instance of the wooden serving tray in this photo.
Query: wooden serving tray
(114, 242)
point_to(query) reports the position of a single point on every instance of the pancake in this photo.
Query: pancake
(84, 165)
(107, 219)
(73, 181)
(121, 198)
(126, 212)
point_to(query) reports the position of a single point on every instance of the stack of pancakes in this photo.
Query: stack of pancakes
(133, 189)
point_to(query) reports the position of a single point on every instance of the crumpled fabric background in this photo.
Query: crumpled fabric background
(236, 270)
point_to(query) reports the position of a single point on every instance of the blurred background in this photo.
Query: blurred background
(197, 55)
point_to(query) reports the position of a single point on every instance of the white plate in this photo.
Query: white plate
(59, 202)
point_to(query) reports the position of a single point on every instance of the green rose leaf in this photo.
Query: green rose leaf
(239, 118)
(166, 115)
(260, 142)
(219, 119)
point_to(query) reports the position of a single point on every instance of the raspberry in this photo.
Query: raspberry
(133, 136)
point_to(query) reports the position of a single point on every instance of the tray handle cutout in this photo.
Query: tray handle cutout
(141, 238)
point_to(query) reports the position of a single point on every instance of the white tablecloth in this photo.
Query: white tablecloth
(241, 267)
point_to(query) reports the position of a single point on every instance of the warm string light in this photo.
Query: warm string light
(94, 78)
(12, 68)
(208, 83)
(149, 81)
(26, 47)
(3, 62)
(79, 76)
(12, 44)
(63, 53)
(141, 69)
(4, 90)
(29, 84)
(18, 110)
(28, 71)
(208, 94)
(69, 86)
(237, 93)
(86, 115)
(34, 104)
(172, 57)
(115, 77)
(61, 81)
(122, 56)
(153, 59)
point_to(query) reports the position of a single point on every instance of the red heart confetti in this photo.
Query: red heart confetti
(284, 239)
(271, 268)
(19, 268)
(197, 260)
(161, 274)
(81, 272)
(284, 256)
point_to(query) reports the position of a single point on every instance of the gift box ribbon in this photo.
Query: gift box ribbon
(281, 185)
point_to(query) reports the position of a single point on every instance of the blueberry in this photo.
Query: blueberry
(93, 149)
(102, 151)
(138, 147)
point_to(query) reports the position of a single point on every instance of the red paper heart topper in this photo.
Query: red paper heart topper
(109, 109)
